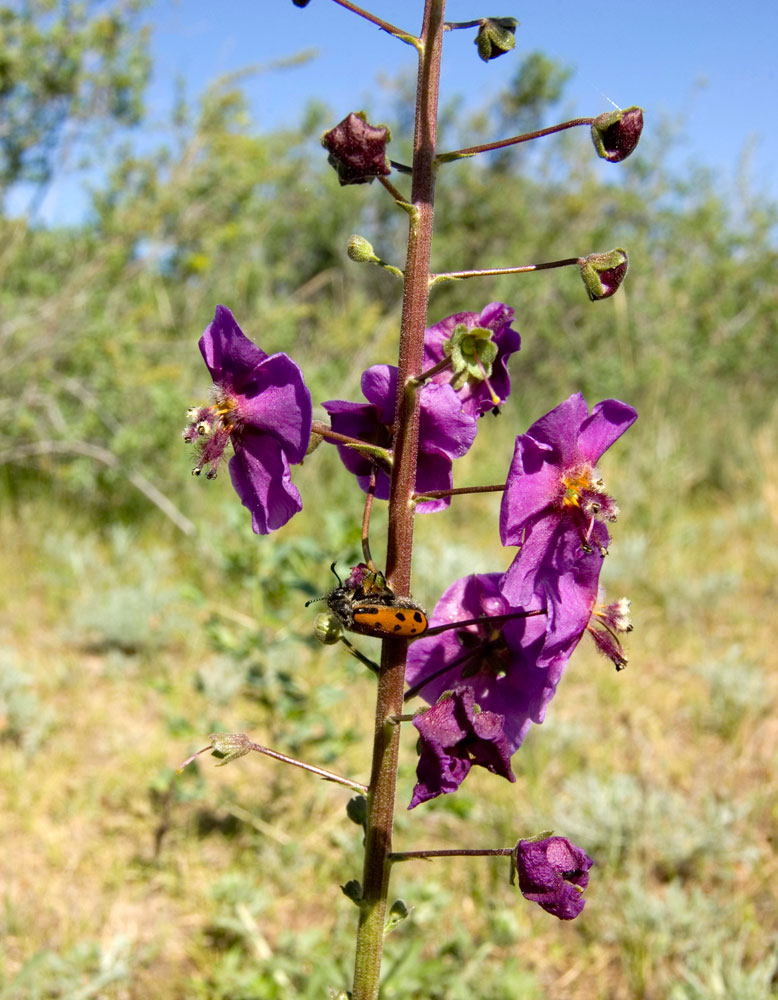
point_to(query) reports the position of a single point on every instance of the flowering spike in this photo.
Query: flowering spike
(616, 133)
(496, 36)
(357, 149)
(602, 273)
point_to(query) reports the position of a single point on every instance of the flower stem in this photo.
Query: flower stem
(383, 777)
(370, 496)
(383, 25)
(423, 377)
(457, 852)
(491, 272)
(458, 491)
(458, 154)
(247, 745)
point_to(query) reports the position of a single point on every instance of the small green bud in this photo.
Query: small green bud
(327, 628)
(496, 36)
(230, 746)
(360, 250)
(356, 810)
(352, 890)
(398, 911)
(313, 444)
(616, 133)
(602, 273)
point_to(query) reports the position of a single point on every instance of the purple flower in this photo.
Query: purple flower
(453, 737)
(497, 661)
(555, 504)
(263, 406)
(446, 432)
(553, 873)
(479, 345)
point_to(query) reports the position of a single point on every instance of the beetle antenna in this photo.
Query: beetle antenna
(315, 600)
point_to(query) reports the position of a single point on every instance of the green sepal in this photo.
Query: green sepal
(472, 352)
(496, 36)
(356, 810)
(353, 890)
(398, 911)
(229, 746)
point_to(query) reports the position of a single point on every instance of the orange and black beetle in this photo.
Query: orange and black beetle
(372, 608)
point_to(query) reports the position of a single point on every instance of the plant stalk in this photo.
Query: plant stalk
(389, 702)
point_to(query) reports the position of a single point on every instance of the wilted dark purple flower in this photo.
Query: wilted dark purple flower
(553, 873)
(616, 133)
(261, 404)
(479, 345)
(446, 432)
(357, 149)
(454, 735)
(496, 660)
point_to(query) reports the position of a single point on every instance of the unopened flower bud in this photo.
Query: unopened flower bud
(616, 133)
(602, 273)
(230, 746)
(357, 149)
(356, 810)
(352, 890)
(496, 36)
(398, 911)
(360, 250)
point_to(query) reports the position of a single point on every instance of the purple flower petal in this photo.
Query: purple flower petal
(498, 662)
(279, 403)
(608, 421)
(260, 474)
(446, 432)
(227, 351)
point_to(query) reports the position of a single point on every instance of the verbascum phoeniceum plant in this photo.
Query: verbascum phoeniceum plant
(488, 659)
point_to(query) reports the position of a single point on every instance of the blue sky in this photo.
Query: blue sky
(700, 61)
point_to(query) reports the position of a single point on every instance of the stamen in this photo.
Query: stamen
(494, 397)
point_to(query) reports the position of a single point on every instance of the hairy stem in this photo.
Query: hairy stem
(383, 778)
(458, 154)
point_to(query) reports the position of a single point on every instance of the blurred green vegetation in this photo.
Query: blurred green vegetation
(141, 614)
